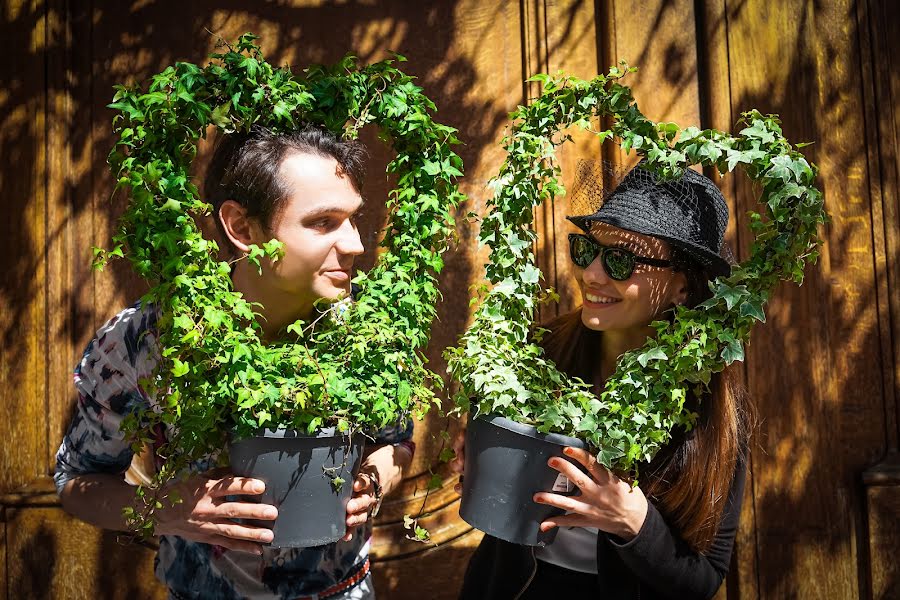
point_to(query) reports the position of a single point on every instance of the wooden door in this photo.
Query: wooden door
(821, 511)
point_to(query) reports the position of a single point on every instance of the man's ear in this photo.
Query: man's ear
(239, 228)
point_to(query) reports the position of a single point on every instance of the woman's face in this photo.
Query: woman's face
(611, 305)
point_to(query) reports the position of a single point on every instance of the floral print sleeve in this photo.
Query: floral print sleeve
(107, 382)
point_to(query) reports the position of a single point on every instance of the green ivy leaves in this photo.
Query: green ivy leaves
(502, 371)
(358, 366)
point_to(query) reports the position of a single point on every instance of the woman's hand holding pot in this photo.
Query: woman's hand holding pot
(205, 514)
(606, 502)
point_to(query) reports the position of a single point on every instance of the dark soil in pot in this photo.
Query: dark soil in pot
(299, 472)
(505, 465)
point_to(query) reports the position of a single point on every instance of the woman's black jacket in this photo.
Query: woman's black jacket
(655, 564)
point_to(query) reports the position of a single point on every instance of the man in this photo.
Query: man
(302, 188)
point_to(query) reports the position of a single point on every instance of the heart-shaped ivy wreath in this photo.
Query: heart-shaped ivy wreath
(501, 372)
(360, 367)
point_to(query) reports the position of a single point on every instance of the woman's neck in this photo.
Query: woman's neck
(615, 343)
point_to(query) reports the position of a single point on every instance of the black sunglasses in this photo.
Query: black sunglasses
(617, 262)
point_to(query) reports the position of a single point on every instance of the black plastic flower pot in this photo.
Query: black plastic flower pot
(303, 476)
(505, 465)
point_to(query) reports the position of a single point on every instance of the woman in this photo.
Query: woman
(649, 247)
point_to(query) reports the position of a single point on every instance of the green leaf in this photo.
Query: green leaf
(179, 368)
(219, 116)
(656, 353)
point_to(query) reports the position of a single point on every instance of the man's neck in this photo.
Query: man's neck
(278, 309)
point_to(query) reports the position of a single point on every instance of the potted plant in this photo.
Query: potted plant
(518, 402)
(312, 397)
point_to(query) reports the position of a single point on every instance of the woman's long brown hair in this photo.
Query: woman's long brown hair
(689, 480)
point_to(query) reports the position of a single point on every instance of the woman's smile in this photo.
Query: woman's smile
(594, 298)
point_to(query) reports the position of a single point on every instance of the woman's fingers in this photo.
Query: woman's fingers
(600, 473)
(570, 504)
(581, 479)
(567, 521)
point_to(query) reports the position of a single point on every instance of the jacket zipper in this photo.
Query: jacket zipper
(530, 577)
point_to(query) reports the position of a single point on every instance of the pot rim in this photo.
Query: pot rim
(531, 431)
(287, 433)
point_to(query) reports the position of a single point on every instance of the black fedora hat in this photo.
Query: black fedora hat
(690, 212)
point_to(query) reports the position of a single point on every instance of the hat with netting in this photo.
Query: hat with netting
(690, 212)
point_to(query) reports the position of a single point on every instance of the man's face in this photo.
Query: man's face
(316, 224)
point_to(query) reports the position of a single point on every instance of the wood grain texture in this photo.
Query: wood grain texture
(799, 62)
(884, 540)
(23, 239)
(876, 22)
(51, 555)
(823, 371)
(4, 584)
(715, 111)
(569, 39)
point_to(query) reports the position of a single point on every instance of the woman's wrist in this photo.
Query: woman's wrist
(635, 515)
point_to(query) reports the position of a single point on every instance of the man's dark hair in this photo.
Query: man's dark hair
(245, 168)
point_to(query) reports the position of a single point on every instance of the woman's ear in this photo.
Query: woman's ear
(679, 289)
(239, 228)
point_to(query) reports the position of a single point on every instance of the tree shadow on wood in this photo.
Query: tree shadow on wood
(815, 368)
(89, 46)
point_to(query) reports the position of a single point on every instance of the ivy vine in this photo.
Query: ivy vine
(500, 368)
(359, 366)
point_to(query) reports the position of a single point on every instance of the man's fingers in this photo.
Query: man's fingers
(235, 531)
(355, 520)
(245, 510)
(360, 504)
(231, 485)
(362, 482)
(457, 464)
(237, 545)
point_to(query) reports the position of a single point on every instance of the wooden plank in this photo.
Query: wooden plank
(423, 568)
(4, 583)
(825, 391)
(877, 21)
(52, 555)
(467, 58)
(884, 539)
(715, 112)
(69, 214)
(23, 237)
(571, 42)
(659, 38)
